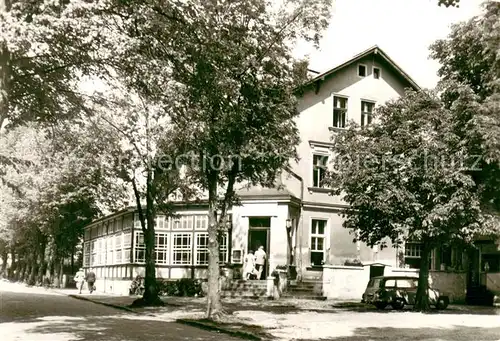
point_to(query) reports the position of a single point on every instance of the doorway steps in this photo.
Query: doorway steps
(311, 289)
(245, 289)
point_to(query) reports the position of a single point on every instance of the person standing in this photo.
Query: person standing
(260, 261)
(79, 279)
(249, 265)
(90, 281)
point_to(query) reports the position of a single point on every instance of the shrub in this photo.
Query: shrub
(353, 262)
(181, 287)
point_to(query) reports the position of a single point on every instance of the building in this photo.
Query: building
(299, 223)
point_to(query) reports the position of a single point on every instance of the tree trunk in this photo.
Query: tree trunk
(73, 259)
(49, 272)
(33, 269)
(4, 71)
(422, 297)
(57, 271)
(42, 262)
(61, 273)
(13, 264)
(5, 258)
(214, 304)
(150, 297)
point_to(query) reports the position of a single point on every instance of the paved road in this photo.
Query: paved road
(39, 316)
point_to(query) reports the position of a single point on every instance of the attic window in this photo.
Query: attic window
(376, 73)
(361, 70)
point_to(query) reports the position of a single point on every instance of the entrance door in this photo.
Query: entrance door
(258, 235)
(257, 238)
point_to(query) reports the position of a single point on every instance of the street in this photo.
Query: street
(47, 316)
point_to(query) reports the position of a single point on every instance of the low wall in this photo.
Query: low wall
(453, 284)
(345, 282)
(493, 282)
(349, 282)
(112, 286)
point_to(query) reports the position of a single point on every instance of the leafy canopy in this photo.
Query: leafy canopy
(405, 176)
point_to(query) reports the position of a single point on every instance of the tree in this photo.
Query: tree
(141, 152)
(225, 73)
(408, 177)
(470, 85)
(42, 57)
(235, 75)
(52, 187)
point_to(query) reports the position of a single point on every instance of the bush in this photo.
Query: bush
(353, 262)
(182, 287)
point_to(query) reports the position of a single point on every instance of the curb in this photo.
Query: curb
(202, 325)
(120, 307)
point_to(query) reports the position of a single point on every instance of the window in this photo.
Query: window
(237, 256)
(318, 228)
(201, 222)
(376, 72)
(109, 250)
(140, 248)
(413, 254)
(101, 251)
(126, 247)
(361, 70)
(201, 247)
(86, 254)
(118, 239)
(339, 111)
(87, 234)
(181, 248)
(160, 222)
(413, 250)
(366, 113)
(161, 248)
(184, 222)
(390, 283)
(223, 248)
(137, 222)
(319, 169)
(93, 253)
(406, 283)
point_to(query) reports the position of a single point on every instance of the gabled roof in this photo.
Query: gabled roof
(372, 50)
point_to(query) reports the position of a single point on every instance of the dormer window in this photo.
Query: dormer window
(361, 70)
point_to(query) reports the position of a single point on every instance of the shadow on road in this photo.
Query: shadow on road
(457, 333)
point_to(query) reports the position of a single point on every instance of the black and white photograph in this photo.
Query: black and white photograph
(265, 170)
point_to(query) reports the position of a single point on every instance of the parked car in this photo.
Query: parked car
(398, 291)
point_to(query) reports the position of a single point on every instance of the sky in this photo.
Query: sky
(404, 29)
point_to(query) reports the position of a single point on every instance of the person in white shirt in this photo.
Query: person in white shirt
(249, 265)
(79, 279)
(260, 261)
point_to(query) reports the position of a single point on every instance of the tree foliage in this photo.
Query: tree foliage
(409, 177)
(231, 68)
(470, 85)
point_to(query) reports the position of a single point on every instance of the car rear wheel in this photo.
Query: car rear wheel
(442, 303)
(398, 304)
(380, 305)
